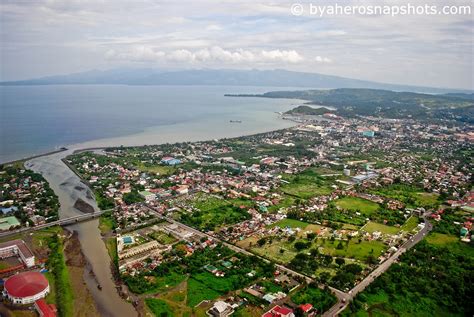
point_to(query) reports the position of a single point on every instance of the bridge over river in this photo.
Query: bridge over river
(61, 222)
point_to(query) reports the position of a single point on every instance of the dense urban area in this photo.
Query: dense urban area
(349, 215)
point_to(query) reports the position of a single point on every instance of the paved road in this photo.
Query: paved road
(340, 305)
(60, 222)
(340, 295)
(343, 298)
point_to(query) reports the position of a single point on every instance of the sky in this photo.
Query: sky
(47, 37)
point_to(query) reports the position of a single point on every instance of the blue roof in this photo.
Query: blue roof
(7, 210)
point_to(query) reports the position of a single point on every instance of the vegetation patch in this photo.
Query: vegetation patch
(321, 299)
(430, 280)
(197, 292)
(410, 224)
(62, 284)
(356, 204)
(306, 184)
(159, 307)
(373, 227)
(291, 223)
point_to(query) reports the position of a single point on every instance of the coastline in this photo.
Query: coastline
(65, 180)
(167, 136)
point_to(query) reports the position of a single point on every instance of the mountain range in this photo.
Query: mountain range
(225, 77)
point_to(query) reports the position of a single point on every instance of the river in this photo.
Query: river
(69, 188)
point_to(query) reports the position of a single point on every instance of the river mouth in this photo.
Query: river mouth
(97, 270)
(70, 189)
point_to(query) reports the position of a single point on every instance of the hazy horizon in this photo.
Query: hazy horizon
(45, 38)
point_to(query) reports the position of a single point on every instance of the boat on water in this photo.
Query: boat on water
(235, 121)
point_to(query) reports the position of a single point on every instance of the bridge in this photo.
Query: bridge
(61, 222)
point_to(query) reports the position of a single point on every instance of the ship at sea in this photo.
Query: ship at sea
(235, 121)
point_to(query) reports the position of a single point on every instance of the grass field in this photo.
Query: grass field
(160, 169)
(272, 251)
(166, 282)
(411, 196)
(358, 251)
(163, 238)
(451, 242)
(374, 226)
(292, 223)
(410, 224)
(197, 292)
(214, 212)
(159, 307)
(306, 185)
(365, 207)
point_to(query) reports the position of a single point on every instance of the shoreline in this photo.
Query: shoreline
(52, 166)
(76, 150)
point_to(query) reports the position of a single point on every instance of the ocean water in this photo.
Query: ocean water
(38, 119)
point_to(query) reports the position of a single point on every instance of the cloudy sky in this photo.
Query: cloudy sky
(46, 37)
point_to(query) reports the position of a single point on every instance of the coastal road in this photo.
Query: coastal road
(341, 305)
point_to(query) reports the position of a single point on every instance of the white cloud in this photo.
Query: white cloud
(214, 27)
(321, 59)
(143, 53)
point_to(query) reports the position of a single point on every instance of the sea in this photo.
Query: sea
(39, 119)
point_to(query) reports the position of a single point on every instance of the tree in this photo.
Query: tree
(301, 245)
(340, 261)
(261, 242)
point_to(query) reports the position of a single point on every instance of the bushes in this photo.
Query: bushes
(322, 300)
(57, 265)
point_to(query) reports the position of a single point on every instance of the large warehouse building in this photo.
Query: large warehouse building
(26, 287)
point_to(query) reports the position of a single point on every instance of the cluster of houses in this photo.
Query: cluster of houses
(25, 200)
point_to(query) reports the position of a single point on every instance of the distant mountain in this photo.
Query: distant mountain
(269, 78)
(462, 96)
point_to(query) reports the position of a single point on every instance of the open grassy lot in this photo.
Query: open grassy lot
(306, 184)
(214, 212)
(160, 169)
(410, 224)
(411, 196)
(197, 292)
(365, 207)
(355, 250)
(163, 238)
(374, 226)
(274, 252)
(451, 242)
(291, 223)
(286, 201)
(159, 307)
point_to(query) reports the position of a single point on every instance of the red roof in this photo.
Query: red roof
(306, 307)
(45, 309)
(282, 310)
(26, 284)
(278, 311)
